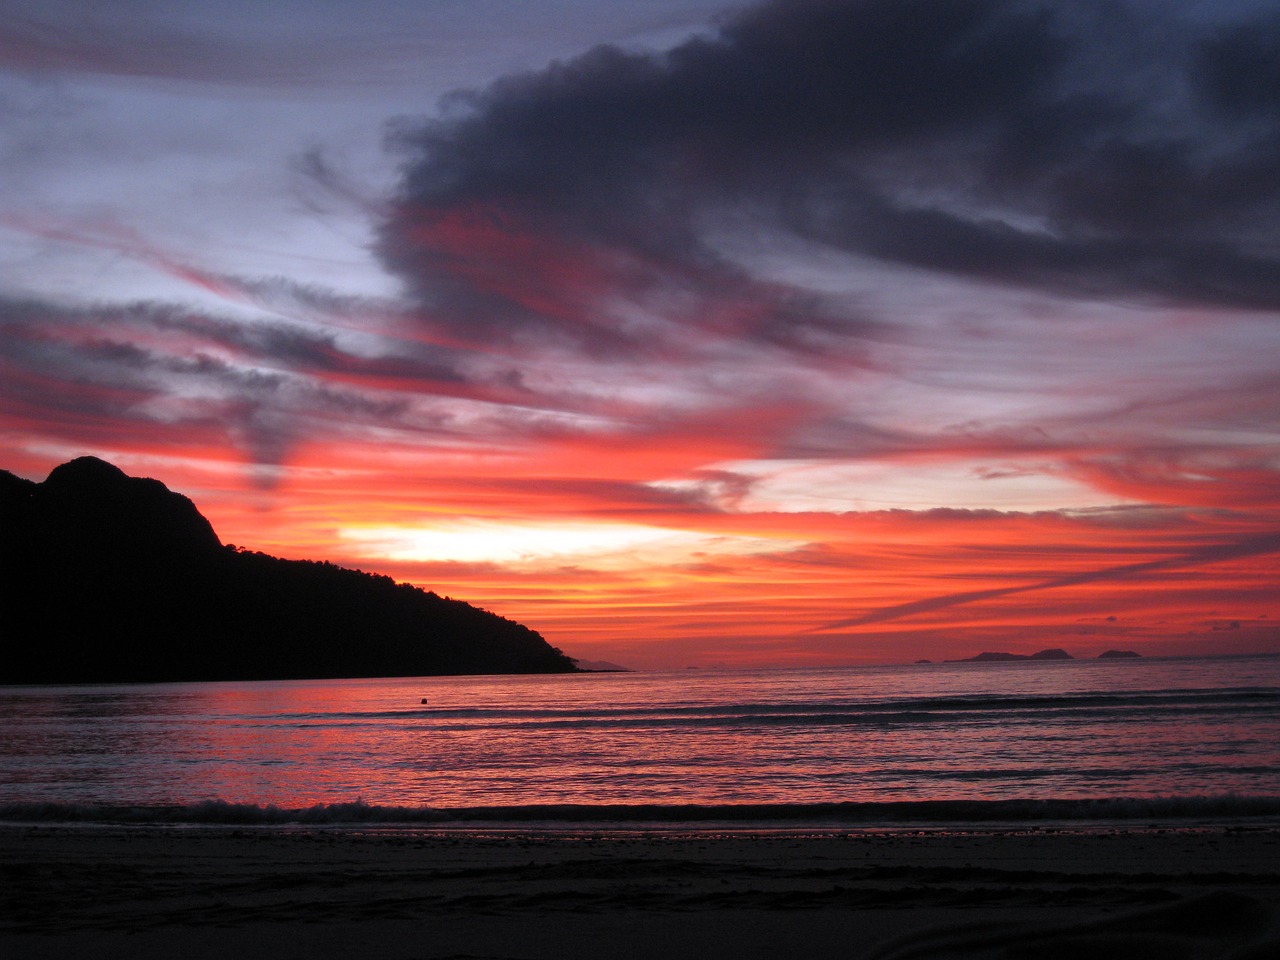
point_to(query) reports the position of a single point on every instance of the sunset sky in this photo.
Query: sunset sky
(686, 333)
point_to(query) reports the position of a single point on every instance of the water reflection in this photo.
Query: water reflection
(948, 732)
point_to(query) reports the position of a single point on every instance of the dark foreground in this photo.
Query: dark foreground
(197, 892)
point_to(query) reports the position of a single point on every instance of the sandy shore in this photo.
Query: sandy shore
(198, 892)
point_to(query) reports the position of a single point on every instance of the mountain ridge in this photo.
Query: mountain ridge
(120, 579)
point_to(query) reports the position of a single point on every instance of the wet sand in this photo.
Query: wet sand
(219, 892)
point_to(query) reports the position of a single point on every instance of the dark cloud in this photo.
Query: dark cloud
(1098, 149)
(277, 344)
(1239, 68)
(193, 377)
(263, 385)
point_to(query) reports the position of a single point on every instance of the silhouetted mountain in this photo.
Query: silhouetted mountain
(111, 578)
(990, 657)
(1119, 655)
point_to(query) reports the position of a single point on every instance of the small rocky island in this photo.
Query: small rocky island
(990, 657)
(108, 578)
(1055, 653)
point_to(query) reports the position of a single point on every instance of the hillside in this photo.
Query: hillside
(111, 578)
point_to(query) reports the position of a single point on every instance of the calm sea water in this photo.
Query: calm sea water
(948, 732)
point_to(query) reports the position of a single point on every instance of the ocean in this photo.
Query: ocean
(975, 741)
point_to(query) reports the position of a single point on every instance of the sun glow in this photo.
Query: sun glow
(489, 542)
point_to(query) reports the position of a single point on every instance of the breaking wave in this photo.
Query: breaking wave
(853, 814)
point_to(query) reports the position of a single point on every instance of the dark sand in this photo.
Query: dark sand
(82, 893)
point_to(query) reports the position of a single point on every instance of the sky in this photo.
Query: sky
(687, 333)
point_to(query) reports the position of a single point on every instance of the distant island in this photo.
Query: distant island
(1054, 653)
(118, 579)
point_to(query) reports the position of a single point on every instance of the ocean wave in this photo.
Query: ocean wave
(887, 712)
(924, 812)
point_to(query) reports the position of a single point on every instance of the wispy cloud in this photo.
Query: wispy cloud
(1215, 553)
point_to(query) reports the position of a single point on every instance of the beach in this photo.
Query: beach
(526, 893)
(1064, 810)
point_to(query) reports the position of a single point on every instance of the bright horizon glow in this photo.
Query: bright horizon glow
(497, 542)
